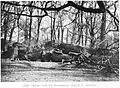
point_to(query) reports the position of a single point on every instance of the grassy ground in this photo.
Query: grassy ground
(25, 71)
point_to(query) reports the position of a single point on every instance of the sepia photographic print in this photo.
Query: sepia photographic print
(59, 41)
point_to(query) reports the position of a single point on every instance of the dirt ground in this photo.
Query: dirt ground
(24, 71)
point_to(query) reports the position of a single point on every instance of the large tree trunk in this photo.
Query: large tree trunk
(102, 34)
(103, 25)
(91, 31)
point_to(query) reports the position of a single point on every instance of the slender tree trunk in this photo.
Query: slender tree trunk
(39, 22)
(62, 31)
(18, 22)
(18, 25)
(79, 29)
(73, 35)
(58, 35)
(82, 27)
(11, 33)
(5, 32)
(80, 22)
(54, 27)
(26, 32)
(67, 36)
(5, 37)
(31, 11)
(51, 28)
(18, 29)
(86, 33)
(91, 31)
(38, 29)
(30, 30)
(74, 29)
